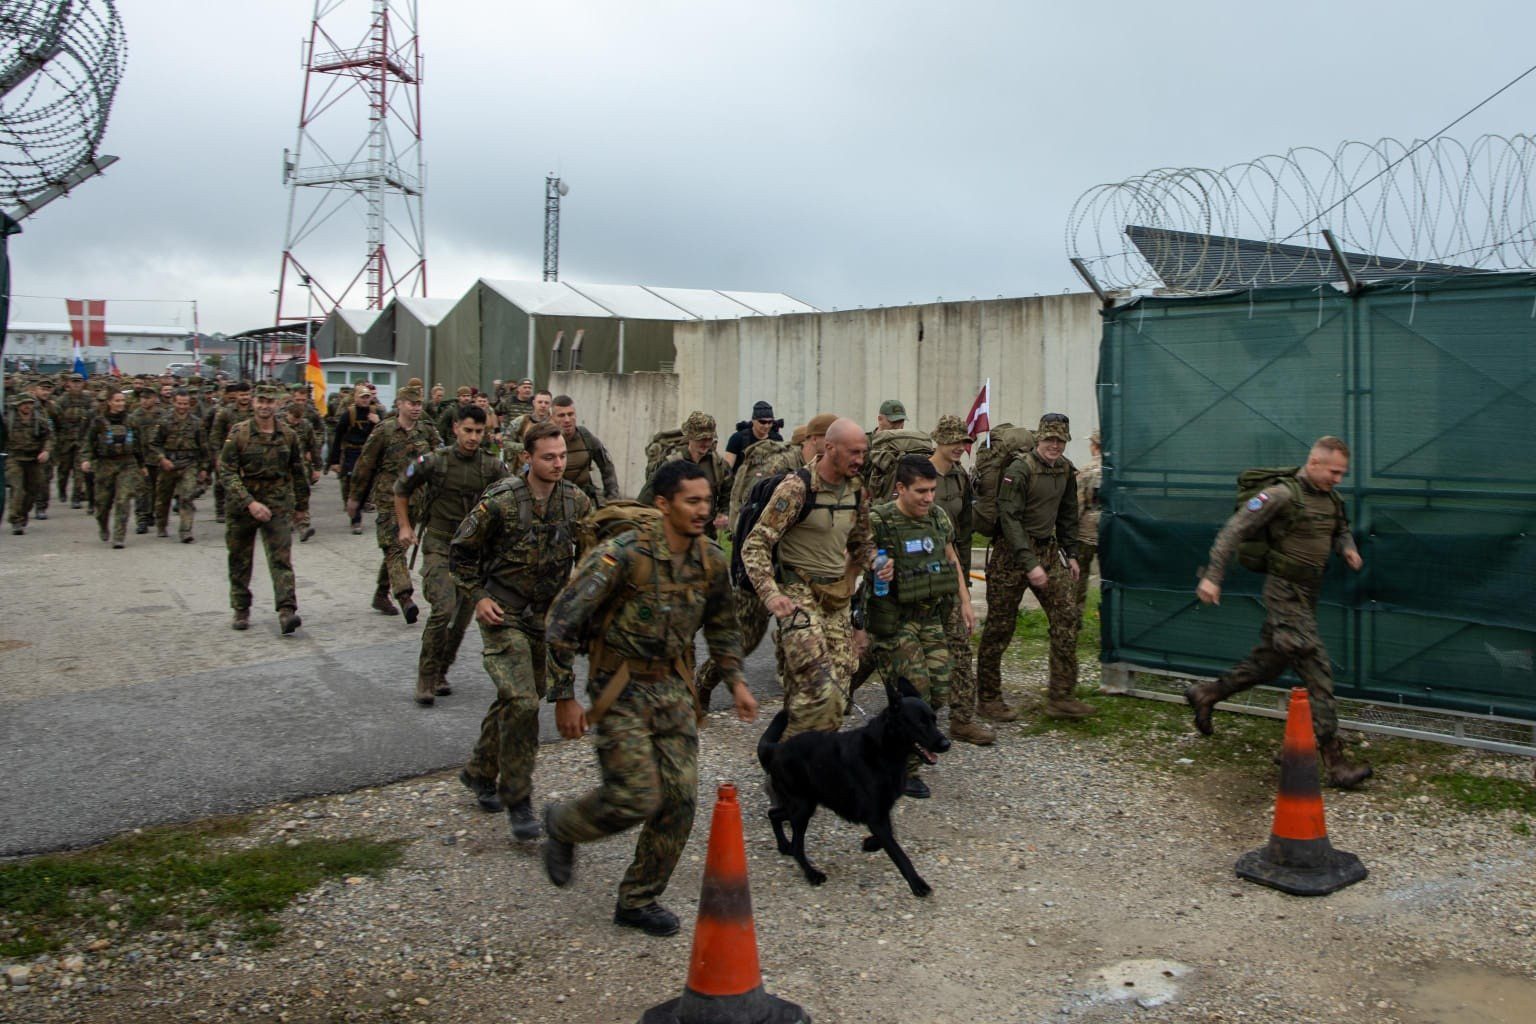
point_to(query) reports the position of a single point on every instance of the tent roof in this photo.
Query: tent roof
(427, 311)
(357, 319)
(639, 302)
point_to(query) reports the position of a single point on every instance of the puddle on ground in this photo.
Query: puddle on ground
(1147, 983)
(1466, 994)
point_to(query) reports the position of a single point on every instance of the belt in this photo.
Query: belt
(801, 577)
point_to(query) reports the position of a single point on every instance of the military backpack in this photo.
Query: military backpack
(885, 451)
(761, 460)
(1005, 443)
(662, 444)
(1256, 554)
(752, 507)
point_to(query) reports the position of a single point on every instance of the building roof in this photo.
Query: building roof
(426, 311)
(359, 320)
(360, 360)
(1193, 262)
(640, 302)
(32, 327)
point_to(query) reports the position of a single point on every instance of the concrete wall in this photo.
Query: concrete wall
(623, 410)
(1041, 354)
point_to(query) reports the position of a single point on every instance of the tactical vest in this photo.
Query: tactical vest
(74, 413)
(1046, 487)
(533, 559)
(456, 485)
(578, 459)
(28, 443)
(923, 574)
(1301, 552)
(117, 440)
(181, 439)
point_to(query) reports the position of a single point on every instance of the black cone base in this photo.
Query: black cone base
(755, 1007)
(1319, 873)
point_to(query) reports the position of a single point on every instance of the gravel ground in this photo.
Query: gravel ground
(1072, 877)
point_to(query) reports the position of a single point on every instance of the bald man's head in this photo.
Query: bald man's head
(843, 453)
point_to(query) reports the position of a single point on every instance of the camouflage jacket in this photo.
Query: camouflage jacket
(146, 423)
(646, 606)
(757, 551)
(182, 440)
(112, 438)
(714, 467)
(26, 441)
(73, 414)
(1088, 480)
(384, 457)
(268, 468)
(453, 482)
(223, 422)
(1326, 530)
(309, 439)
(1037, 502)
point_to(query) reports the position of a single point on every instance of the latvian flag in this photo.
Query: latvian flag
(976, 421)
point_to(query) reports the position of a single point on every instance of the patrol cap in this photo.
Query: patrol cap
(268, 391)
(798, 437)
(25, 398)
(950, 431)
(75, 376)
(892, 409)
(699, 426)
(237, 387)
(820, 424)
(525, 380)
(409, 393)
(1054, 426)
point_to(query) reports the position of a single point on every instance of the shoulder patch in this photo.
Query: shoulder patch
(781, 505)
(1258, 501)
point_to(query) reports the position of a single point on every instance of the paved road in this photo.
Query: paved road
(125, 699)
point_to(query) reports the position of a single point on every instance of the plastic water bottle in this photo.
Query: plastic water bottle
(882, 587)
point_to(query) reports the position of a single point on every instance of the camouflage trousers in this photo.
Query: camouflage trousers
(962, 669)
(648, 751)
(752, 618)
(1086, 553)
(117, 481)
(918, 651)
(144, 501)
(451, 611)
(240, 530)
(816, 661)
(394, 575)
(509, 733)
(1289, 639)
(180, 483)
(66, 453)
(1006, 583)
(25, 479)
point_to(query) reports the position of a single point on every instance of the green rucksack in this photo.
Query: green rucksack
(662, 444)
(760, 461)
(1005, 443)
(1254, 554)
(887, 449)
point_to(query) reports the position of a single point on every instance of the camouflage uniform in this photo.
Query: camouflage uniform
(224, 420)
(454, 481)
(353, 427)
(309, 443)
(518, 552)
(1289, 638)
(268, 468)
(815, 644)
(183, 441)
(386, 453)
(582, 453)
(117, 469)
(700, 426)
(1037, 526)
(647, 744)
(47, 409)
(24, 475)
(1088, 482)
(907, 635)
(75, 412)
(955, 496)
(146, 423)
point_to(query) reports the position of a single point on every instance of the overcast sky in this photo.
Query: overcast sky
(848, 152)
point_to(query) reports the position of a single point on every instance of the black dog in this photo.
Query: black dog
(858, 774)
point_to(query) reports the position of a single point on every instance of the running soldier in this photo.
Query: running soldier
(642, 596)
(583, 451)
(179, 447)
(391, 446)
(699, 448)
(454, 477)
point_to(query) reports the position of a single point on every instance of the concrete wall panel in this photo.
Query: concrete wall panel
(624, 410)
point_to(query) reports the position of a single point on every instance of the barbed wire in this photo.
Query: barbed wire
(1402, 204)
(60, 65)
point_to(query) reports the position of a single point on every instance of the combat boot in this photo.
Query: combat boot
(306, 533)
(288, 620)
(41, 513)
(440, 686)
(653, 919)
(425, 690)
(242, 619)
(997, 711)
(141, 528)
(409, 609)
(1342, 772)
(915, 788)
(558, 855)
(484, 790)
(1204, 697)
(979, 733)
(382, 603)
(161, 531)
(1059, 703)
(525, 826)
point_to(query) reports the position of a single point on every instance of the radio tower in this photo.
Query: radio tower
(358, 157)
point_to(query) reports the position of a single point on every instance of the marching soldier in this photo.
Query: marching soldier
(1088, 481)
(390, 447)
(31, 442)
(354, 424)
(583, 452)
(145, 419)
(263, 471)
(699, 448)
(642, 595)
(179, 447)
(115, 459)
(303, 421)
(238, 410)
(75, 409)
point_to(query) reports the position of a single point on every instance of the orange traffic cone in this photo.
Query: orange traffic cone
(725, 984)
(1299, 859)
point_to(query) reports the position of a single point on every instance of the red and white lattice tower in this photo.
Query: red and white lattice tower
(358, 158)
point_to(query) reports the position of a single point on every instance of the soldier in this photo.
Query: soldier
(302, 420)
(699, 448)
(510, 556)
(391, 447)
(238, 410)
(539, 412)
(1035, 551)
(48, 410)
(353, 426)
(433, 407)
(642, 595)
(892, 415)
(761, 426)
(583, 451)
(455, 476)
(803, 557)
(75, 410)
(1088, 518)
(955, 497)
(30, 439)
(115, 459)
(1302, 520)
(263, 470)
(449, 415)
(179, 446)
(925, 586)
(146, 422)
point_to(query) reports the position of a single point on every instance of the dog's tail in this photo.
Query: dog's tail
(771, 737)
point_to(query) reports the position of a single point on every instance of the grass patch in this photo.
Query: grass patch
(1032, 633)
(169, 877)
(1486, 792)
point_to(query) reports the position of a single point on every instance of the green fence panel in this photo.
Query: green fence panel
(1433, 384)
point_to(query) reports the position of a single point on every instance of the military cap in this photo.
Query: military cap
(414, 382)
(268, 391)
(1054, 426)
(346, 389)
(409, 393)
(464, 391)
(892, 409)
(798, 437)
(950, 431)
(25, 398)
(44, 382)
(820, 424)
(75, 376)
(525, 380)
(699, 426)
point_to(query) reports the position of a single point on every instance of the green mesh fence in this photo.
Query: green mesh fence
(1432, 383)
